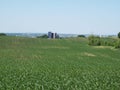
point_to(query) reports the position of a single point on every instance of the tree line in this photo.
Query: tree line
(101, 41)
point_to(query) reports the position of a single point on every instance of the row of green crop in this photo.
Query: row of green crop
(97, 41)
(57, 64)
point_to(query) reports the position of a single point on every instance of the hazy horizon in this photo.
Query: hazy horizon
(64, 16)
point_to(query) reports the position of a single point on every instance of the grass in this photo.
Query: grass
(59, 64)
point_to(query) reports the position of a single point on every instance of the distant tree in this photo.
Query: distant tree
(43, 36)
(3, 34)
(81, 36)
(57, 36)
(119, 35)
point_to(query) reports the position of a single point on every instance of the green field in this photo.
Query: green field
(58, 64)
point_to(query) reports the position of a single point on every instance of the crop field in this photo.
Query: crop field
(57, 64)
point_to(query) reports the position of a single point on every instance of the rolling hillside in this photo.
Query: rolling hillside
(58, 64)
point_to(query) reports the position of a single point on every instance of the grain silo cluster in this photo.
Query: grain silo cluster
(52, 35)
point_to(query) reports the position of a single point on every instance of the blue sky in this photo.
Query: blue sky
(61, 16)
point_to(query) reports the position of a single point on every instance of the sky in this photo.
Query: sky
(100, 17)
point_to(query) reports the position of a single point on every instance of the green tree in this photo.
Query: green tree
(43, 36)
(119, 35)
(3, 34)
(81, 36)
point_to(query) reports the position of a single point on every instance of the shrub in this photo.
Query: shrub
(94, 40)
(108, 41)
(97, 41)
(117, 44)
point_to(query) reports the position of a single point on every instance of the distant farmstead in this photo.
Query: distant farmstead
(52, 35)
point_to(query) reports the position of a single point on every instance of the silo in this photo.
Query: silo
(49, 35)
(54, 35)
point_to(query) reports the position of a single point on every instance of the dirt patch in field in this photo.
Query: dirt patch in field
(102, 47)
(55, 47)
(89, 54)
(104, 55)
